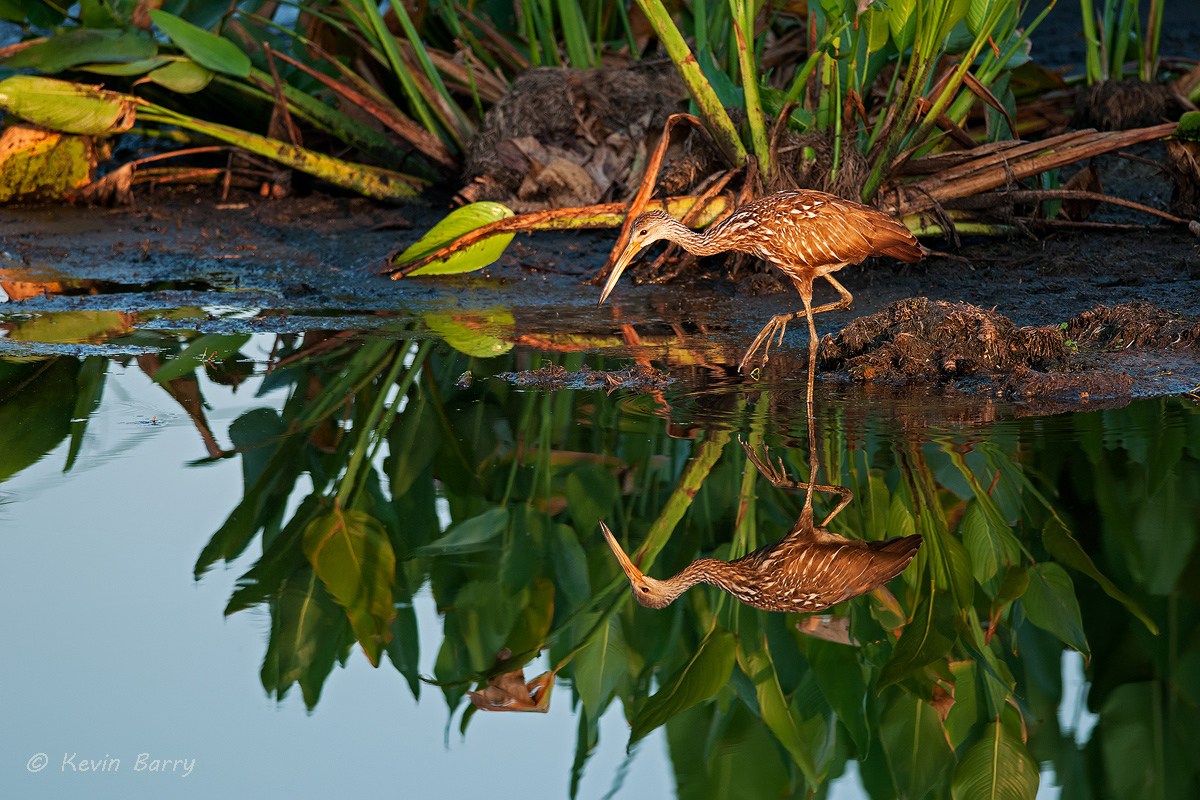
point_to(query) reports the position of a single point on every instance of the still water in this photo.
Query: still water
(329, 562)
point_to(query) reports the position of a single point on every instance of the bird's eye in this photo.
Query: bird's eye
(645, 589)
(643, 232)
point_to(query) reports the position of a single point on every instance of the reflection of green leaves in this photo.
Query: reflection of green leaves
(353, 557)
(699, 679)
(1050, 604)
(915, 743)
(473, 334)
(776, 713)
(600, 664)
(470, 535)
(1064, 547)
(306, 631)
(204, 47)
(997, 767)
(458, 222)
(927, 638)
(840, 678)
(201, 351)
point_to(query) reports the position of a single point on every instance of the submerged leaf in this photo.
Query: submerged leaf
(458, 222)
(67, 107)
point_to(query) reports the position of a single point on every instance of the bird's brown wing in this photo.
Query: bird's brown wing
(816, 229)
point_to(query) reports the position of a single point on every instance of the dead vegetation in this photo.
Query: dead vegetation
(636, 377)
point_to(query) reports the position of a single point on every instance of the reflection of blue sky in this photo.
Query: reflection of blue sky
(112, 649)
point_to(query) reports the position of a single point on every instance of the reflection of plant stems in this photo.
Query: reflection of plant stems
(364, 435)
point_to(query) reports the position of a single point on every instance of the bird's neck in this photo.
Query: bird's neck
(698, 244)
(703, 570)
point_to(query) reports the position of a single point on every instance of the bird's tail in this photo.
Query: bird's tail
(901, 545)
(894, 239)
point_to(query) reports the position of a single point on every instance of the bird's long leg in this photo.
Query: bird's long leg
(780, 322)
(813, 342)
(778, 478)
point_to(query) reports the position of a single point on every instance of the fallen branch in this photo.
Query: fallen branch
(993, 199)
(605, 215)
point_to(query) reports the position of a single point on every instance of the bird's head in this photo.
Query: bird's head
(649, 592)
(647, 229)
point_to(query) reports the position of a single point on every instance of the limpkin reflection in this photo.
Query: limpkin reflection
(807, 570)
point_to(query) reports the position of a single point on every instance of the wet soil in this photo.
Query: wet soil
(636, 377)
(182, 261)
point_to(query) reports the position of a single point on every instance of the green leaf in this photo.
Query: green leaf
(184, 77)
(1063, 546)
(404, 649)
(1050, 603)
(470, 535)
(773, 707)
(997, 767)
(474, 333)
(987, 551)
(697, 680)
(203, 350)
(67, 107)
(306, 632)
(354, 559)
(204, 47)
(82, 45)
(926, 639)
(128, 69)
(840, 678)
(600, 664)
(916, 745)
(458, 222)
(902, 22)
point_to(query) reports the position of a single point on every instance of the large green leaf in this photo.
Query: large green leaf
(204, 47)
(126, 69)
(927, 638)
(458, 222)
(697, 680)
(473, 333)
(306, 631)
(1064, 547)
(600, 664)
(997, 767)
(1050, 604)
(82, 45)
(184, 77)
(470, 535)
(354, 559)
(775, 711)
(840, 677)
(916, 745)
(67, 107)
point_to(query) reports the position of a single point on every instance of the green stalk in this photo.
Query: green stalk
(1120, 43)
(370, 181)
(814, 58)
(373, 25)
(754, 114)
(699, 24)
(535, 55)
(461, 129)
(579, 49)
(720, 126)
(1150, 45)
(545, 27)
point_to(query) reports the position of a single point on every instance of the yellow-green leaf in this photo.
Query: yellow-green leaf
(67, 107)
(458, 222)
(997, 767)
(184, 77)
(206, 48)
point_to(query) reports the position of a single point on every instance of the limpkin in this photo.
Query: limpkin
(806, 234)
(807, 570)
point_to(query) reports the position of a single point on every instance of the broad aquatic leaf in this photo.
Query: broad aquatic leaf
(902, 22)
(184, 77)
(204, 350)
(352, 556)
(775, 711)
(697, 680)
(916, 745)
(404, 649)
(67, 107)
(997, 767)
(926, 639)
(1050, 603)
(204, 47)
(306, 632)
(470, 535)
(82, 45)
(600, 664)
(987, 552)
(458, 222)
(840, 678)
(472, 333)
(1064, 547)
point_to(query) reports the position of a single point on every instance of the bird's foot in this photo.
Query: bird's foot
(777, 323)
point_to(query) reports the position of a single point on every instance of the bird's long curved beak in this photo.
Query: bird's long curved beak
(631, 572)
(626, 256)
